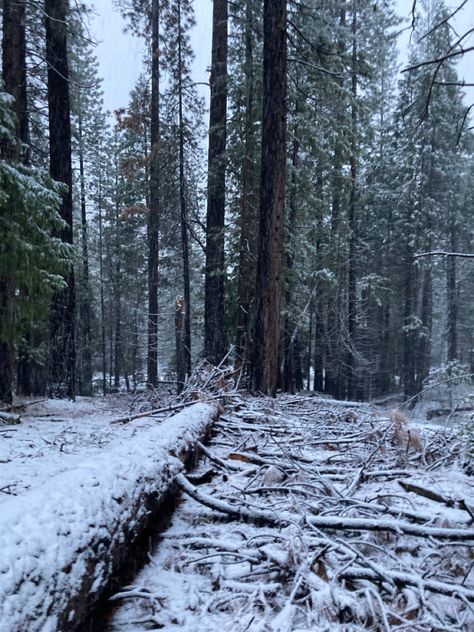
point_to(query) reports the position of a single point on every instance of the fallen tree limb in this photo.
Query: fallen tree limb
(9, 419)
(458, 503)
(21, 405)
(150, 413)
(407, 579)
(325, 522)
(240, 512)
(394, 526)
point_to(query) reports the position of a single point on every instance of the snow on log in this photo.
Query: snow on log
(61, 543)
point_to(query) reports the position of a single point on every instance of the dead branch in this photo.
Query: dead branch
(407, 579)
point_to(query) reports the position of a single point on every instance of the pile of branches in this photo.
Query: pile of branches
(309, 514)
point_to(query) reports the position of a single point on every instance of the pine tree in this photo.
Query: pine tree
(214, 333)
(62, 355)
(272, 200)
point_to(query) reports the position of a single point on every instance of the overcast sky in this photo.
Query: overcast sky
(120, 55)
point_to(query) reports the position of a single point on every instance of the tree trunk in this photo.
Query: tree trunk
(451, 274)
(289, 333)
(85, 380)
(352, 224)
(183, 209)
(14, 77)
(14, 80)
(103, 348)
(272, 199)
(247, 222)
(409, 335)
(62, 356)
(180, 329)
(214, 305)
(153, 216)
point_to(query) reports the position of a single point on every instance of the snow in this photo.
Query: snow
(76, 498)
(220, 568)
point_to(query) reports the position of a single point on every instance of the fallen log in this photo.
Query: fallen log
(63, 544)
(9, 419)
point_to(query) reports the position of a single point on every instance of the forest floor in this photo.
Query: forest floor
(303, 514)
(308, 514)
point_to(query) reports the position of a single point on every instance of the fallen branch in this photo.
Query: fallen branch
(407, 579)
(427, 493)
(9, 419)
(324, 522)
(241, 513)
(21, 405)
(151, 413)
(394, 526)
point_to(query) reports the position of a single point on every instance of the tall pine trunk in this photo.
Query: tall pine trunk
(451, 290)
(153, 216)
(62, 356)
(247, 220)
(85, 378)
(103, 348)
(272, 199)
(183, 206)
(289, 328)
(14, 80)
(214, 304)
(352, 223)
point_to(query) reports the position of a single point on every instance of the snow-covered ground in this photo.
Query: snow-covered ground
(56, 435)
(312, 515)
(304, 514)
(76, 489)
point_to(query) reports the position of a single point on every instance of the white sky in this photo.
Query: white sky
(120, 54)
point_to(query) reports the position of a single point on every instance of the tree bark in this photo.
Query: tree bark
(352, 223)
(182, 203)
(85, 379)
(214, 305)
(272, 199)
(289, 333)
(62, 356)
(153, 216)
(247, 242)
(180, 328)
(14, 80)
(451, 290)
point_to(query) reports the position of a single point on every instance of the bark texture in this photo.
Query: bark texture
(214, 333)
(153, 217)
(272, 199)
(14, 82)
(62, 367)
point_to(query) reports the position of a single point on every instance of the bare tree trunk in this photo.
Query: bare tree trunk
(289, 334)
(352, 222)
(182, 200)
(62, 357)
(247, 222)
(180, 328)
(14, 80)
(86, 299)
(409, 336)
(451, 289)
(118, 354)
(272, 199)
(101, 285)
(214, 305)
(153, 216)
